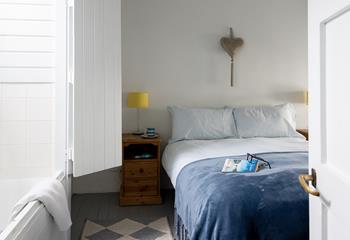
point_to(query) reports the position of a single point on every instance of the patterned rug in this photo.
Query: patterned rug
(128, 229)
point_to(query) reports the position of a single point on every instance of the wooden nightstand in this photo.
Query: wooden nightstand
(140, 171)
(304, 132)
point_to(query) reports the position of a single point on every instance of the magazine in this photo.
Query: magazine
(240, 166)
(249, 165)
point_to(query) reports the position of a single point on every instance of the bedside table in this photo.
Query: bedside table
(304, 132)
(140, 171)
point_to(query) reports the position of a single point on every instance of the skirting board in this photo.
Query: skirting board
(107, 181)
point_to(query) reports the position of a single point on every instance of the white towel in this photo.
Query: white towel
(52, 195)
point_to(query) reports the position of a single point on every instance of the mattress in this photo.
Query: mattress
(179, 154)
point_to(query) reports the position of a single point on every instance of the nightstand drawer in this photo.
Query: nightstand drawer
(141, 169)
(141, 187)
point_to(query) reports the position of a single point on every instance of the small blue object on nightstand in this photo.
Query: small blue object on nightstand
(150, 132)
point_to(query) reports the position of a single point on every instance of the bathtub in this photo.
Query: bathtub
(33, 222)
(12, 190)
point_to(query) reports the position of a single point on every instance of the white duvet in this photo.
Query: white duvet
(177, 155)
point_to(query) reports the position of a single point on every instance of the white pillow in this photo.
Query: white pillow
(288, 111)
(201, 123)
(266, 121)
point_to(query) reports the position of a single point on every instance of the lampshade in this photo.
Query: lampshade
(138, 99)
(306, 97)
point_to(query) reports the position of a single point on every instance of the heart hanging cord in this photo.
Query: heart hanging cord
(230, 44)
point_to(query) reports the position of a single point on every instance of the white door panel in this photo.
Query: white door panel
(329, 75)
(97, 86)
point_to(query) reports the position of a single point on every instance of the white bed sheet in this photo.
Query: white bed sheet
(179, 154)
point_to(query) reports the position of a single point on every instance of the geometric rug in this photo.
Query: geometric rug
(128, 229)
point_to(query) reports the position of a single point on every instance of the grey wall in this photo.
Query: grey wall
(170, 48)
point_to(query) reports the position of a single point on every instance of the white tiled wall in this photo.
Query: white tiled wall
(26, 129)
(27, 87)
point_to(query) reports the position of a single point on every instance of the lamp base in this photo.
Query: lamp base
(137, 133)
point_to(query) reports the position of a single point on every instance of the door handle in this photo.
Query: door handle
(304, 182)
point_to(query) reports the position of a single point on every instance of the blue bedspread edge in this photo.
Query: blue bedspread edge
(269, 204)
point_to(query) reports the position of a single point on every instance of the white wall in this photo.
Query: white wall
(171, 49)
(31, 78)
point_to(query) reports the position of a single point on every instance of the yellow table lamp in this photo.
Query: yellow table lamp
(138, 100)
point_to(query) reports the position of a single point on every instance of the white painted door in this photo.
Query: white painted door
(97, 86)
(329, 84)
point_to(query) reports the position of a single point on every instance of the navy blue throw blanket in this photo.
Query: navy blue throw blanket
(266, 205)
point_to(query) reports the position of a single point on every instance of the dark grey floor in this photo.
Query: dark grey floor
(104, 208)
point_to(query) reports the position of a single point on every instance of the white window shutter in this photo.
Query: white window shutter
(97, 86)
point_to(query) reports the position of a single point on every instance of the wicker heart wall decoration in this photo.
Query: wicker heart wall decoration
(230, 44)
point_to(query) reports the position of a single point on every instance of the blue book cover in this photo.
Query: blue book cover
(247, 166)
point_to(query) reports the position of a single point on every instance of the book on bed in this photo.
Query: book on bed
(240, 166)
(249, 165)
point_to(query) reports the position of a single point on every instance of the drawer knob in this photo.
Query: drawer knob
(141, 170)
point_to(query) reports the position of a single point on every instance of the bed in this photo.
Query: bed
(264, 205)
(210, 204)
